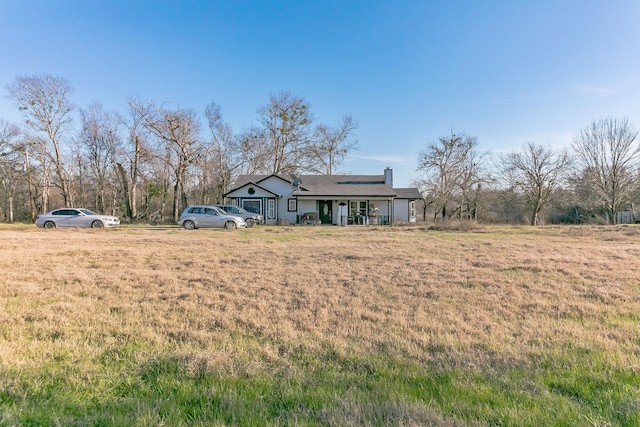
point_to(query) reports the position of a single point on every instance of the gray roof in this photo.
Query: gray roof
(344, 185)
(254, 179)
(408, 193)
(338, 185)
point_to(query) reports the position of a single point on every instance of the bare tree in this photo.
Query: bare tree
(8, 132)
(11, 173)
(607, 152)
(14, 144)
(285, 142)
(100, 141)
(219, 160)
(39, 170)
(535, 171)
(450, 173)
(177, 131)
(130, 160)
(254, 151)
(44, 101)
(286, 122)
(470, 183)
(332, 144)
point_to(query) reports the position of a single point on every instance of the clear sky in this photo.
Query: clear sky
(506, 72)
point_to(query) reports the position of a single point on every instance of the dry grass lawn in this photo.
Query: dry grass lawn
(320, 326)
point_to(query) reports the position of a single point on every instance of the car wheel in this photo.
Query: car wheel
(250, 222)
(189, 225)
(49, 224)
(230, 225)
(97, 224)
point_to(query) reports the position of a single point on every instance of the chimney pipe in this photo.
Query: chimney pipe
(388, 176)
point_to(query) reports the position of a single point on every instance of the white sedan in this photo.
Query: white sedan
(75, 218)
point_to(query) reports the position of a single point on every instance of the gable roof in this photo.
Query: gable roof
(251, 183)
(255, 180)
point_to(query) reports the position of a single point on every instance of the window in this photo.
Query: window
(271, 208)
(358, 207)
(252, 205)
(293, 205)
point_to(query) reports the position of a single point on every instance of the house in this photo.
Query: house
(629, 216)
(326, 199)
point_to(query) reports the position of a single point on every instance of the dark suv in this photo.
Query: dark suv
(252, 219)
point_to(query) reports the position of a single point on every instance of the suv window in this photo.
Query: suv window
(210, 211)
(232, 209)
(196, 210)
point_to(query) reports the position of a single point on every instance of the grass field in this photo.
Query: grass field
(320, 326)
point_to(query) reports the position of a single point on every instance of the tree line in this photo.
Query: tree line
(150, 162)
(593, 180)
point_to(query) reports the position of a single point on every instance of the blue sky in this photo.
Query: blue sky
(506, 72)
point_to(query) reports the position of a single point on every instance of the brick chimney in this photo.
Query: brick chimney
(388, 176)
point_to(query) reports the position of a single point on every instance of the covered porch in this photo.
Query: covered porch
(343, 212)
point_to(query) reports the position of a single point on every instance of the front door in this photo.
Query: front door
(324, 206)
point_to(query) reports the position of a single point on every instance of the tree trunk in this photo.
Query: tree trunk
(134, 180)
(127, 194)
(10, 208)
(534, 217)
(176, 198)
(46, 188)
(31, 201)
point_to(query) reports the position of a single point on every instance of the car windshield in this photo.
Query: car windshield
(87, 212)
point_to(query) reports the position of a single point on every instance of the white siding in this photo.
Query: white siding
(278, 186)
(284, 216)
(401, 210)
(624, 217)
(281, 192)
(305, 206)
(243, 193)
